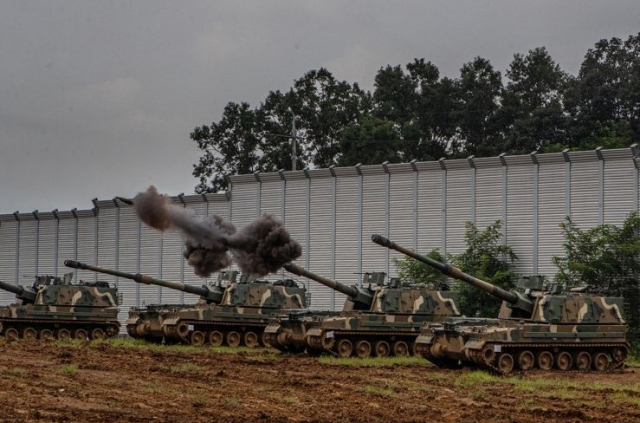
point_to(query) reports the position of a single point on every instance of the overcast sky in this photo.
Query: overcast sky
(97, 99)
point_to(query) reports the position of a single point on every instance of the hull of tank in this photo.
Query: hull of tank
(58, 322)
(201, 324)
(502, 346)
(355, 333)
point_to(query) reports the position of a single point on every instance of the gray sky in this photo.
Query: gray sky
(97, 99)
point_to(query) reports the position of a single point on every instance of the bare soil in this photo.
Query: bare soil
(48, 382)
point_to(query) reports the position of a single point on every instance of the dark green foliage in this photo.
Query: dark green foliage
(486, 258)
(606, 258)
(414, 113)
(413, 271)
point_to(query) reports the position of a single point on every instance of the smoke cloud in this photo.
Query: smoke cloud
(259, 248)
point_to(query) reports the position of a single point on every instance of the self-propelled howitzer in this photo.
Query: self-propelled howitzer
(55, 308)
(235, 313)
(536, 328)
(377, 318)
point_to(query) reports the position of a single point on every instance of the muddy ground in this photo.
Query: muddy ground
(45, 381)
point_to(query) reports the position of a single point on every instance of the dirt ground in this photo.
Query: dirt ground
(47, 382)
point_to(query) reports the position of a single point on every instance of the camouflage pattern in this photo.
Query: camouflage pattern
(231, 311)
(55, 308)
(536, 328)
(378, 318)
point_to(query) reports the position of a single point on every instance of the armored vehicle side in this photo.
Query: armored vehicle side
(235, 314)
(377, 318)
(55, 308)
(536, 328)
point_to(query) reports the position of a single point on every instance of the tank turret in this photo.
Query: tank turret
(360, 297)
(211, 294)
(28, 296)
(515, 300)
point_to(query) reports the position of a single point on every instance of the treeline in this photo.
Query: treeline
(414, 113)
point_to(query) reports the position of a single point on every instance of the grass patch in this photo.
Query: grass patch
(626, 398)
(13, 372)
(233, 402)
(476, 377)
(186, 368)
(633, 361)
(291, 400)
(70, 369)
(199, 400)
(374, 361)
(151, 387)
(387, 390)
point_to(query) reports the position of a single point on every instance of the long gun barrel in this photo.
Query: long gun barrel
(203, 291)
(21, 292)
(301, 271)
(449, 270)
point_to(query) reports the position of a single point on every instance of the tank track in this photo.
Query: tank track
(488, 360)
(110, 328)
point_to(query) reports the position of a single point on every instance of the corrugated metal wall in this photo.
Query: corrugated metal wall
(333, 212)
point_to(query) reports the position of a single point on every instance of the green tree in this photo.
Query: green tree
(605, 94)
(479, 89)
(414, 271)
(605, 257)
(532, 113)
(488, 259)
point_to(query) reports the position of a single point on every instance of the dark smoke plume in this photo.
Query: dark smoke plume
(263, 247)
(259, 248)
(205, 238)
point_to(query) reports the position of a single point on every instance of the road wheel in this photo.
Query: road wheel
(564, 361)
(80, 334)
(400, 349)
(345, 348)
(600, 362)
(525, 360)
(505, 363)
(544, 360)
(46, 334)
(30, 334)
(363, 349)
(112, 330)
(63, 334)
(182, 330)
(197, 338)
(97, 334)
(11, 334)
(583, 361)
(216, 338)
(251, 339)
(233, 339)
(263, 340)
(382, 349)
(619, 355)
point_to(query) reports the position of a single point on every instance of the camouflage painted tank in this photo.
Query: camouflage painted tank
(55, 308)
(536, 328)
(234, 315)
(377, 318)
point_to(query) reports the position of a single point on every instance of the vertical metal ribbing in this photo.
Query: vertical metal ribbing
(387, 212)
(536, 170)
(308, 227)
(600, 185)
(334, 192)
(503, 161)
(160, 252)
(138, 252)
(415, 204)
(258, 193)
(181, 198)
(37, 217)
(472, 168)
(96, 211)
(444, 206)
(117, 258)
(567, 182)
(283, 206)
(360, 193)
(17, 272)
(56, 241)
(75, 242)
